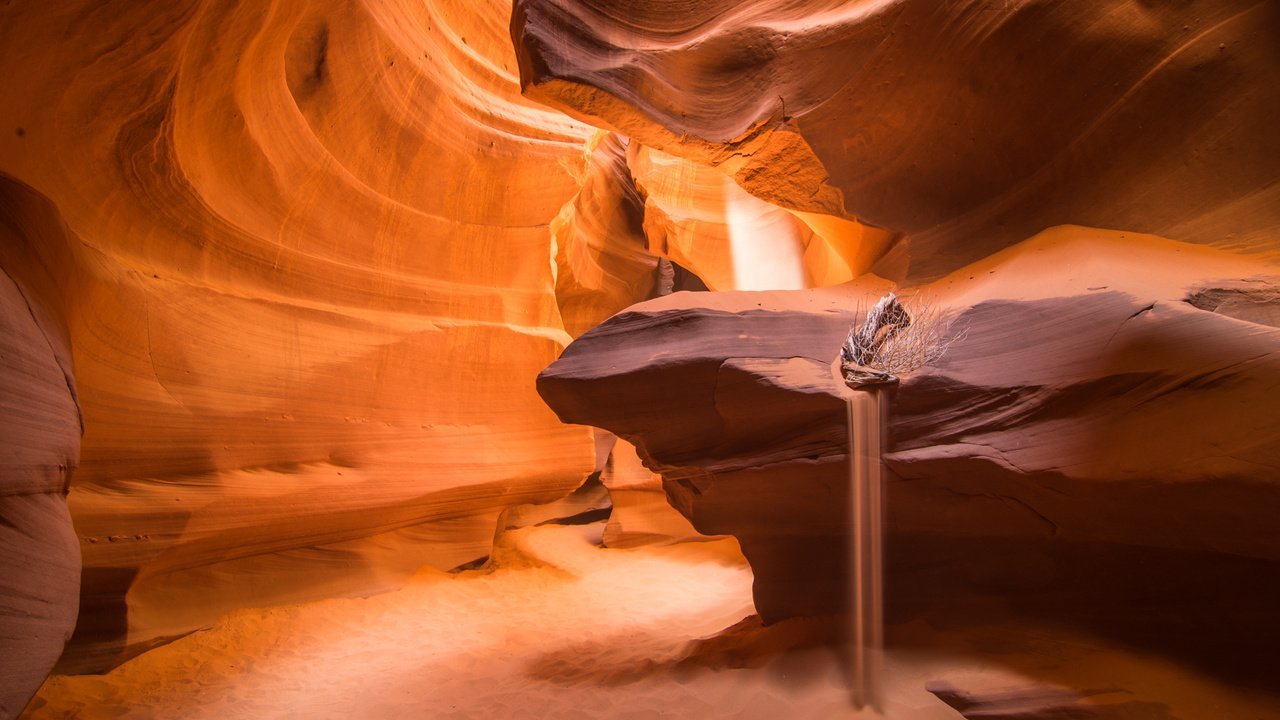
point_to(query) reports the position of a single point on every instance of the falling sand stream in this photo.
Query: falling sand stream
(868, 417)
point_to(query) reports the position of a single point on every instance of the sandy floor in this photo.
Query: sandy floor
(558, 627)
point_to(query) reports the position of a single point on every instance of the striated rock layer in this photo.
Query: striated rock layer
(969, 126)
(40, 428)
(1093, 398)
(306, 282)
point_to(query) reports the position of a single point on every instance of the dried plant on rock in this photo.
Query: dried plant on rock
(895, 338)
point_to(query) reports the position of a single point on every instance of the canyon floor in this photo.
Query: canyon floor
(556, 626)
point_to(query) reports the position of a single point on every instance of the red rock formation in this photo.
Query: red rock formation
(1084, 408)
(1081, 406)
(40, 425)
(308, 257)
(701, 219)
(307, 288)
(1017, 703)
(969, 126)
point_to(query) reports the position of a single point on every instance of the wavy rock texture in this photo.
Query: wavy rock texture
(1083, 406)
(40, 424)
(699, 218)
(308, 257)
(603, 263)
(307, 290)
(969, 126)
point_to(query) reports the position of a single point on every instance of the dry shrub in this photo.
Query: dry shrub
(897, 337)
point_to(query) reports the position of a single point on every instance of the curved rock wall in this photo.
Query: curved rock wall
(969, 126)
(603, 263)
(40, 425)
(309, 289)
(701, 219)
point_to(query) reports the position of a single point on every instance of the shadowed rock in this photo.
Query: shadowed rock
(1091, 417)
(969, 126)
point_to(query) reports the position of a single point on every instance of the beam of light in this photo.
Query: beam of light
(765, 244)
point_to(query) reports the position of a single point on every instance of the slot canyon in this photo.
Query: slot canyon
(387, 359)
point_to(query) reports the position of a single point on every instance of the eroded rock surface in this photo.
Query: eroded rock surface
(307, 289)
(1075, 407)
(969, 126)
(40, 427)
(603, 262)
(296, 265)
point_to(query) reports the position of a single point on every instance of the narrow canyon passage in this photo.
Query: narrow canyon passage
(483, 359)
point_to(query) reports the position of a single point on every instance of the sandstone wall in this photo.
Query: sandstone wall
(308, 284)
(279, 277)
(969, 126)
(40, 424)
(1121, 395)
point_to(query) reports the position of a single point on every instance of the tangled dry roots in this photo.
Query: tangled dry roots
(894, 340)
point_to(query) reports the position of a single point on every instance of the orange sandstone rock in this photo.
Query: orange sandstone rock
(307, 291)
(969, 126)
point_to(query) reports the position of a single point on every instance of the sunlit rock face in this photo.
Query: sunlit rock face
(968, 126)
(603, 263)
(699, 217)
(1093, 398)
(307, 284)
(641, 513)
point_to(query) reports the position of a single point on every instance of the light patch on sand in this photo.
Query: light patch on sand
(561, 628)
(537, 635)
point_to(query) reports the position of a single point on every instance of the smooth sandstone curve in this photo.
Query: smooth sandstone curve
(307, 288)
(968, 126)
